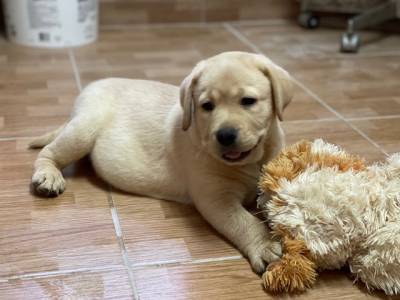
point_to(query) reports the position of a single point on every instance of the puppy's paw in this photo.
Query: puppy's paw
(49, 182)
(263, 253)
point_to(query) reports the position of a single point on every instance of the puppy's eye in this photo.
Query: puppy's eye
(208, 106)
(247, 101)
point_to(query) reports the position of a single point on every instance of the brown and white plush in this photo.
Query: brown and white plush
(331, 210)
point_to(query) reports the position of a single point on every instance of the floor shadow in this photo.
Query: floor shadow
(370, 40)
(84, 169)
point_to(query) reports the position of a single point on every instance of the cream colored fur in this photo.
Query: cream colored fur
(345, 217)
(154, 139)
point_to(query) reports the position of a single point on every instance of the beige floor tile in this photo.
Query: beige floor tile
(336, 132)
(359, 85)
(72, 231)
(354, 87)
(164, 11)
(144, 11)
(37, 89)
(85, 285)
(305, 107)
(291, 44)
(234, 280)
(165, 54)
(157, 231)
(385, 132)
(228, 10)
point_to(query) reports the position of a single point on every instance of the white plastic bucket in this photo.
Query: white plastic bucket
(51, 23)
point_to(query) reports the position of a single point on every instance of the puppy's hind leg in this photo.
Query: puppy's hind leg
(73, 142)
(45, 139)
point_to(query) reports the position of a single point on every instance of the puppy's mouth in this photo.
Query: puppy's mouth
(235, 155)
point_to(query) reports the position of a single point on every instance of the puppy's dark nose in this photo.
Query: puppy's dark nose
(227, 136)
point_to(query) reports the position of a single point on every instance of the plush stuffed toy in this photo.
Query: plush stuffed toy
(329, 210)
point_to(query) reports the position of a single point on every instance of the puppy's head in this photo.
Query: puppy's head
(231, 101)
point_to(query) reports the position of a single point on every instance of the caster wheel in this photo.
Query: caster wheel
(308, 20)
(350, 42)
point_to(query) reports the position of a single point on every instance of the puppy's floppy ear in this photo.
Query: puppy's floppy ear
(186, 94)
(281, 83)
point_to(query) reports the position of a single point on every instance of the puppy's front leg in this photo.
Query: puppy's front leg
(227, 215)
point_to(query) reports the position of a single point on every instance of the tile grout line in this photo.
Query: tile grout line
(200, 24)
(384, 117)
(310, 121)
(134, 266)
(118, 232)
(75, 69)
(228, 27)
(47, 274)
(188, 262)
(348, 122)
(113, 210)
(256, 49)
(369, 54)
(216, 259)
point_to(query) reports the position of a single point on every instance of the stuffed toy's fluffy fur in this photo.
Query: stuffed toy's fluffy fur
(329, 209)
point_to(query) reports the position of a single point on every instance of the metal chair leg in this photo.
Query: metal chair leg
(306, 18)
(350, 41)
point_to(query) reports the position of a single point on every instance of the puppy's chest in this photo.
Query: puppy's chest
(248, 181)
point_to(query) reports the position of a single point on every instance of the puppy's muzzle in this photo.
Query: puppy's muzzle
(227, 138)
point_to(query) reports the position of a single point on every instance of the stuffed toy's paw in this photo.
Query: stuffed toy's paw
(295, 272)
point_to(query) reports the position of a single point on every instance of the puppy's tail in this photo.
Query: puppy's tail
(47, 138)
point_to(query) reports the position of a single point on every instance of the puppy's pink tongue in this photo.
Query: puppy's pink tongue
(233, 154)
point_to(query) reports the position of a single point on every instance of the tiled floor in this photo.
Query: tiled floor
(93, 242)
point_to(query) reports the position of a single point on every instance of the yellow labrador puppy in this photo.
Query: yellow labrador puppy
(206, 148)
